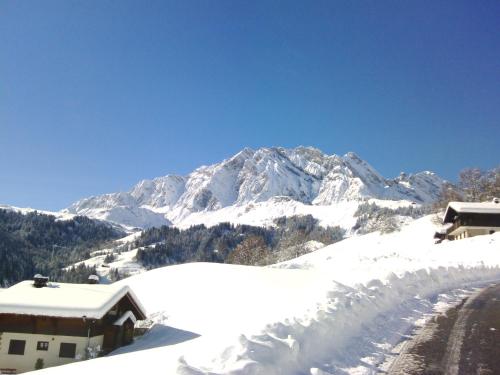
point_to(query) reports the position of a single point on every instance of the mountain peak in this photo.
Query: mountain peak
(352, 155)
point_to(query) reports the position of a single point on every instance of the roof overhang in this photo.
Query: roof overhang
(126, 316)
(487, 208)
(141, 311)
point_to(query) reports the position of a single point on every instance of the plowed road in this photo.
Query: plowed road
(464, 341)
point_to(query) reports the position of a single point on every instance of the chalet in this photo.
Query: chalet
(45, 324)
(468, 219)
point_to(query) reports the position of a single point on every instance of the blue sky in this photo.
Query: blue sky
(96, 95)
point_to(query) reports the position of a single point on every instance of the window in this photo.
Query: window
(17, 347)
(42, 345)
(67, 350)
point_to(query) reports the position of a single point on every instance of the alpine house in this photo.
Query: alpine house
(45, 324)
(469, 219)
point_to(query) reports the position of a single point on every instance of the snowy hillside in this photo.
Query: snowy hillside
(233, 188)
(123, 261)
(65, 215)
(338, 310)
(61, 215)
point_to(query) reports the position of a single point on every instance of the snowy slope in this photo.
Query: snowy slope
(124, 263)
(61, 215)
(338, 310)
(65, 215)
(123, 259)
(303, 174)
(259, 213)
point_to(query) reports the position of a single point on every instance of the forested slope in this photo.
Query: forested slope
(37, 243)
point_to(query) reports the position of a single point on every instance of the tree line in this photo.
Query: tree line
(370, 217)
(229, 243)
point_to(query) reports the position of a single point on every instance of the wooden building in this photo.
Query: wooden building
(46, 324)
(469, 219)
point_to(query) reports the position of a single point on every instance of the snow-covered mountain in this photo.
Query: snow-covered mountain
(304, 175)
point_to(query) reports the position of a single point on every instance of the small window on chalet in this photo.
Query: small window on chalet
(67, 350)
(17, 347)
(42, 345)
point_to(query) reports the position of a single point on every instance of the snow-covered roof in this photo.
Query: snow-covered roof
(64, 300)
(471, 207)
(444, 228)
(128, 315)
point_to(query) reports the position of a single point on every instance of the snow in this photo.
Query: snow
(128, 216)
(264, 213)
(124, 261)
(338, 310)
(130, 238)
(257, 214)
(128, 315)
(61, 215)
(63, 300)
(479, 207)
(303, 175)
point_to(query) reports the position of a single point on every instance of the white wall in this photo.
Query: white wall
(50, 357)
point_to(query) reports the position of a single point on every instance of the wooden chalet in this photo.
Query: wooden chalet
(469, 219)
(44, 324)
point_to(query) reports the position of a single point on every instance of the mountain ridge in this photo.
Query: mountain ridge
(303, 174)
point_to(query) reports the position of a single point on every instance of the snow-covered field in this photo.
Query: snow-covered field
(338, 310)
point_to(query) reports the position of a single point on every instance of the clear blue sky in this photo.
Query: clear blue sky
(96, 95)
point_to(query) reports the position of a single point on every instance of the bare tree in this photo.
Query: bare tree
(492, 184)
(449, 193)
(472, 182)
(252, 251)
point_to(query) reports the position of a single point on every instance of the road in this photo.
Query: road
(463, 341)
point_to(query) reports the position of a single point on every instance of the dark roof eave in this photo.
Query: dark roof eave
(448, 215)
(141, 315)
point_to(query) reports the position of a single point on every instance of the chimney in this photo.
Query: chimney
(93, 279)
(40, 281)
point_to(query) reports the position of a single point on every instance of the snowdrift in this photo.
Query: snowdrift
(338, 310)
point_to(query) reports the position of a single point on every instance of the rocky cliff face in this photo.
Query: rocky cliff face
(303, 174)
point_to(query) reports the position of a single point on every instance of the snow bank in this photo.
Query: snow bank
(337, 310)
(339, 338)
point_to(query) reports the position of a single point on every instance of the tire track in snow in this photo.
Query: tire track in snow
(436, 348)
(451, 360)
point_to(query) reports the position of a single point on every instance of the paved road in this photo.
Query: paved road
(464, 341)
